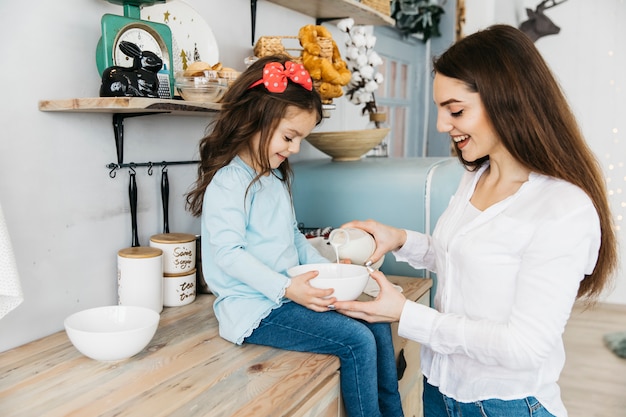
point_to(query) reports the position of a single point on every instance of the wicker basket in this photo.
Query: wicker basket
(273, 45)
(381, 6)
(326, 45)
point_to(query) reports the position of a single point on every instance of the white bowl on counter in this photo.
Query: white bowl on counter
(112, 333)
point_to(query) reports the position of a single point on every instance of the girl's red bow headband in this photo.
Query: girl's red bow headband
(276, 77)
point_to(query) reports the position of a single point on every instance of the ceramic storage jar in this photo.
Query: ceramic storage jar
(179, 252)
(179, 267)
(179, 290)
(140, 277)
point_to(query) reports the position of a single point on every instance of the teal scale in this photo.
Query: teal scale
(149, 36)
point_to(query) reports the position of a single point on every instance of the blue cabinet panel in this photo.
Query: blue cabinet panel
(404, 192)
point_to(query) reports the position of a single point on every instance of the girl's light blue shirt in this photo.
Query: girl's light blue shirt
(250, 238)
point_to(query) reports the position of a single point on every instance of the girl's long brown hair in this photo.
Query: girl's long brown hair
(245, 112)
(531, 116)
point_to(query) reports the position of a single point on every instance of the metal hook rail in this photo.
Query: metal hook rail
(113, 167)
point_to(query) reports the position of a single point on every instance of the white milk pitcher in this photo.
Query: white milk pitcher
(354, 244)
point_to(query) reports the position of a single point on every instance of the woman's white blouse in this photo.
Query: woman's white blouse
(506, 284)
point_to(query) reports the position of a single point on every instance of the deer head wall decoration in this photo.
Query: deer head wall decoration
(538, 24)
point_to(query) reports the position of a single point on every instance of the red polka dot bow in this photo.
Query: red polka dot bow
(276, 77)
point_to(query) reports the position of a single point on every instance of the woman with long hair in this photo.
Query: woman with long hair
(527, 233)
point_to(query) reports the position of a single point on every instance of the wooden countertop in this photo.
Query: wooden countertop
(186, 370)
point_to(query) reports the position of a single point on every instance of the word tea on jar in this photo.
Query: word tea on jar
(179, 290)
(140, 277)
(179, 252)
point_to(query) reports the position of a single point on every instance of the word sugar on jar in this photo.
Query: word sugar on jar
(179, 252)
(179, 267)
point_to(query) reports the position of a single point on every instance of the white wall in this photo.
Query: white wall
(589, 58)
(66, 217)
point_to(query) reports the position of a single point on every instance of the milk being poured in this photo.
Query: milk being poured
(335, 242)
(354, 244)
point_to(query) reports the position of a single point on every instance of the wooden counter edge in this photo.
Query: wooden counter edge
(413, 287)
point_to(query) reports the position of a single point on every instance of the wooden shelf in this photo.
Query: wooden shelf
(124, 107)
(338, 9)
(129, 105)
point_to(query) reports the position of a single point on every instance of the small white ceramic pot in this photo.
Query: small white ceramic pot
(140, 277)
(179, 290)
(179, 251)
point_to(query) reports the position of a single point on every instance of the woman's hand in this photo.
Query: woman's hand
(387, 307)
(387, 238)
(302, 292)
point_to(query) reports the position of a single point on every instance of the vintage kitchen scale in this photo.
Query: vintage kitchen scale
(148, 36)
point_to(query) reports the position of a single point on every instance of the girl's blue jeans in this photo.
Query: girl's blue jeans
(369, 379)
(438, 405)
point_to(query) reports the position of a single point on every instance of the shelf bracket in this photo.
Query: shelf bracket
(118, 131)
(253, 3)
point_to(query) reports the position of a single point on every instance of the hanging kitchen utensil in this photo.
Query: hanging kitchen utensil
(253, 16)
(165, 195)
(132, 195)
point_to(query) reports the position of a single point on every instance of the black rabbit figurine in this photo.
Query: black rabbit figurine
(140, 80)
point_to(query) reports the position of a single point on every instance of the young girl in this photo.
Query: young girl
(250, 237)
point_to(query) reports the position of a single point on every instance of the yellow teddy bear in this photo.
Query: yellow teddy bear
(328, 71)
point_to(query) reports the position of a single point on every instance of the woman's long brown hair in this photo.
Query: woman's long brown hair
(245, 112)
(533, 119)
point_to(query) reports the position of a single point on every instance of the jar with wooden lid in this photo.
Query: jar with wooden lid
(179, 252)
(140, 277)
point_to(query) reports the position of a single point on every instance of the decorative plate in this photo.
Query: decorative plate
(192, 38)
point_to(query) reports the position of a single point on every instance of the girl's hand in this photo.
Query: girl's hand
(302, 292)
(387, 307)
(387, 238)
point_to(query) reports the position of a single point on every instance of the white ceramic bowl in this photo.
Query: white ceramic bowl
(112, 333)
(348, 280)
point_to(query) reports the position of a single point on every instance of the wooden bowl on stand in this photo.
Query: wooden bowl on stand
(348, 145)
